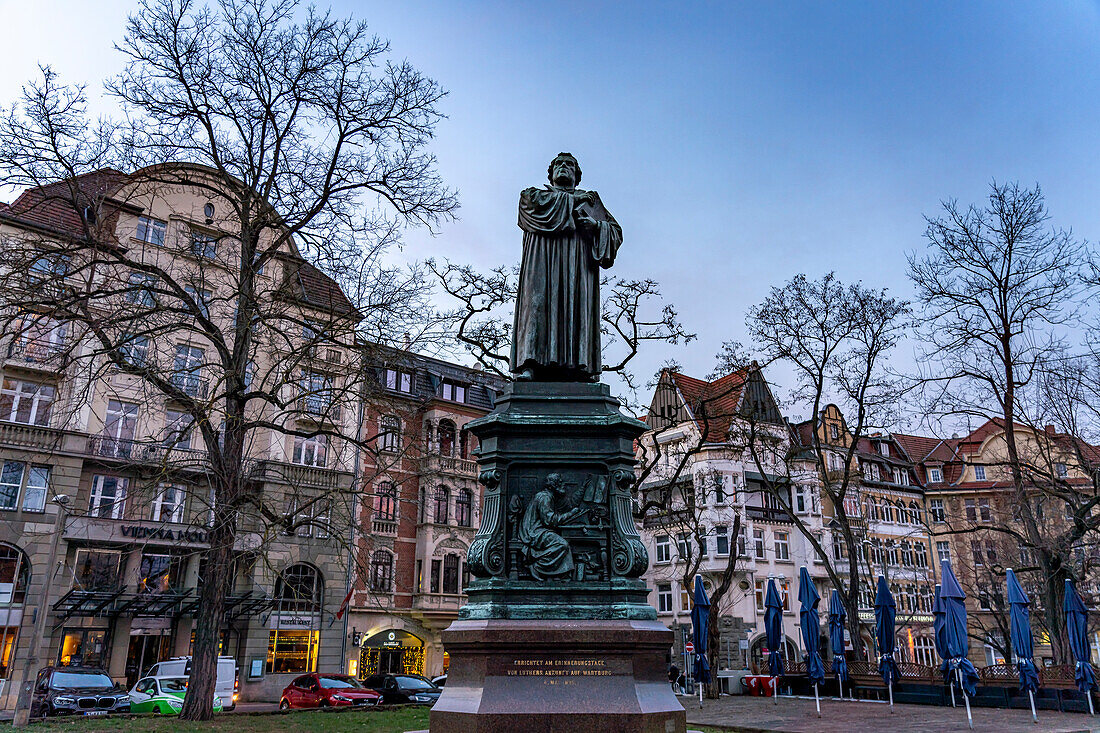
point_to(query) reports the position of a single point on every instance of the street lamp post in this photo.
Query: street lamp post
(26, 681)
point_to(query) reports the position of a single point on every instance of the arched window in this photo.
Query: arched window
(385, 501)
(299, 589)
(464, 507)
(450, 574)
(389, 433)
(903, 515)
(463, 443)
(914, 513)
(442, 504)
(446, 431)
(381, 572)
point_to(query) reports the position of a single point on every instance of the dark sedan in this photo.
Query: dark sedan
(404, 688)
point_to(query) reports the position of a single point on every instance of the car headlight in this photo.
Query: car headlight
(64, 700)
(341, 698)
(421, 698)
(176, 703)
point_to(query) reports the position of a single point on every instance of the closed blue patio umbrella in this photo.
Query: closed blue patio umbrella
(810, 625)
(838, 617)
(773, 631)
(886, 612)
(1022, 645)
(700, 614)
(955, 639)
(939, 639)
(1077, 620)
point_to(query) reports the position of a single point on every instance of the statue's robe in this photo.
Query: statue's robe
(557, 318)
(547, 552)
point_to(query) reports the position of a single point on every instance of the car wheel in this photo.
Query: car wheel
(284, 704)
(323, 704)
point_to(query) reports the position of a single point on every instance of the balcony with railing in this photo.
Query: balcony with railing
(767, 514)
(453, 465)
(296, 475)
(41, 437)
(384, 526)
(37, 352)
(438, 603)
(137, 451)
(319, 407)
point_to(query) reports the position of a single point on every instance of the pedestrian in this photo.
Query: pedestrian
(673, 676)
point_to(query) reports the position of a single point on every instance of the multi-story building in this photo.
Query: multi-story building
(969, 493)
(421, 513)
(884, 506)
(718, 452)
(124, 590)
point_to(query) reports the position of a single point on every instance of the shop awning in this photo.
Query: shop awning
(77, 603)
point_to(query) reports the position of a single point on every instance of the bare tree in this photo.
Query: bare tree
(998, 288)
(633, 316)
(310, 146)
(836, 337)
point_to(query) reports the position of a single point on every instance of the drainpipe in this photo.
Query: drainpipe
(356, 473)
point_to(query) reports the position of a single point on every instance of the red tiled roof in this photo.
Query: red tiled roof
(58, 206)
(918, 447)
(322, 291)
(715, 402)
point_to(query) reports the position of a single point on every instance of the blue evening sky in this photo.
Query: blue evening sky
(737, 143)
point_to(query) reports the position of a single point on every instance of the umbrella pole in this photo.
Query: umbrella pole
(953, 694)
(817, 701)
(969, 718)
(840, 685)
(1088, 694)
(775, 690)
(890, 690)
(1031, 696)
(700, 695)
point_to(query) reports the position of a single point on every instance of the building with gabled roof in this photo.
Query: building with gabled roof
(697, 480)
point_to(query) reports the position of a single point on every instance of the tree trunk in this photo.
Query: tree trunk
(712, 651)
(198, 704)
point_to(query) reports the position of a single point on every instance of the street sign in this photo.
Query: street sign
(689, 648)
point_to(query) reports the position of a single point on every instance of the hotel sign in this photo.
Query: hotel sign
(139, 532)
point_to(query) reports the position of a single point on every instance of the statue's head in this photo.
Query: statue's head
(564, 170)
(555, 483)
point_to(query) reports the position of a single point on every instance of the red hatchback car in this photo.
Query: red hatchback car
(326, 690)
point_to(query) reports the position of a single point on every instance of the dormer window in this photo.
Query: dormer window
(834, 432)
(454, 391)
(935, 476)
(398, 380)
(884, 449)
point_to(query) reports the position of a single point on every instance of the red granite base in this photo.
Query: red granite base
(550, 676)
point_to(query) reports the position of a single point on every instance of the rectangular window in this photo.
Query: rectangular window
(151, 230)
(834, 431)
(168, 505)
(1060, 470)
(177, 429)
(437, 566)
(761, 591)
(935, 476)
(884, 448)
(663, 549)
(141, 289)
(664, 598)
(840, 548)
(782, 546)
(454, 391)
(685, 600)
(971, 510)
(134, 350)
(292, 652)
(800, 499)
(97, 570)
(450, 574)
(385, 502)
(983, 510)
(11, 479)
(722, 540)
(920, 555)
(935, 506)
(108, 500)
(398, 380)
(943, 551)
(976, 553)
(201, 299)
(758, 544)
(389, 433)
(310, 451)
(119, 427)
(160, 573)
(683, 548)
(187, 370)
(979, 473)
(203, 245)
(26, 402)
(38, 483)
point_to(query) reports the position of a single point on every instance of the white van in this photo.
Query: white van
(225, 687)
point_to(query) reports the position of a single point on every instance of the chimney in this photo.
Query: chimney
(1048, 429)
(408, 341)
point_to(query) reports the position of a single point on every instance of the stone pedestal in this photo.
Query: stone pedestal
(527, 676)
(557, 634)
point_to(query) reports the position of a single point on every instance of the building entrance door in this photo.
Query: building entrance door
(391, 661)
(145, 651)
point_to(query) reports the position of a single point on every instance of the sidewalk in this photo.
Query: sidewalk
(751, 714)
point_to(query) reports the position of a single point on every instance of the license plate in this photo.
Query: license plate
(95, 712)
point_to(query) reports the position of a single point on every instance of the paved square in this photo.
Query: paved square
(798, 715)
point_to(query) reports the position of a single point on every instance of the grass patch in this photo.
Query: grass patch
(306, 721)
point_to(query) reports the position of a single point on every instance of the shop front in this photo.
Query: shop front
(391, 651)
